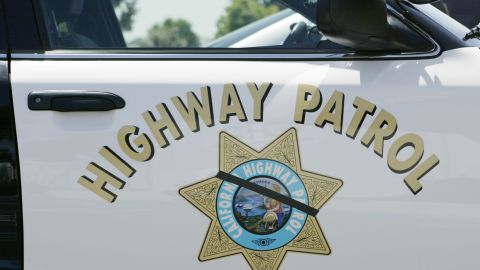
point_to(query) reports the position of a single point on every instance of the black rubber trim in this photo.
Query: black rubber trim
(22, 24)
(267, 192)
(11, 221)
(3, 31)
(41, 25)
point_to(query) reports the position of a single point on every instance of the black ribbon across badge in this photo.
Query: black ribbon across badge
(267, 192)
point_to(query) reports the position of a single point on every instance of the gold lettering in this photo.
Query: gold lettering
(231, 105)
(407, 140)
(141, 142)
(259, 96)
(309, 99)
(383, 128)
(364, 108)
(332, 112)
(98, 186)
(413, 179)
(196, 108)
(117, 161)
(157, 127)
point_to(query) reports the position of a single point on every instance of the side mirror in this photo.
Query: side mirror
(356, 24)
(365, 25)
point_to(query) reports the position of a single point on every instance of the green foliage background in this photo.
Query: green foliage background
(170, 34)
(127, 10)
(242, 12)
(179, 33)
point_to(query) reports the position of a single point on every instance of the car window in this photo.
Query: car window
(91, 24)
(187, 24)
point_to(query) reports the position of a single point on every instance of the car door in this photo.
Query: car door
(136, 158)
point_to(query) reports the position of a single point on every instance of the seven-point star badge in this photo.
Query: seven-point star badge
(262, 204)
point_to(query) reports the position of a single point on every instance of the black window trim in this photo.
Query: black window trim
(11, 224)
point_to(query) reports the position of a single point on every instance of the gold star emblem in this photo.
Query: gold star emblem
(218, 243)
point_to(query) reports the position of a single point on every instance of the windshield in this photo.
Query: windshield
(464, 11)
(447, 22)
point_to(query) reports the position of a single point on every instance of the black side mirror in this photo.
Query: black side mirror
(353, 23)
(365, 25)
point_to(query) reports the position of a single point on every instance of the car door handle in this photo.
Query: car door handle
(74, 101)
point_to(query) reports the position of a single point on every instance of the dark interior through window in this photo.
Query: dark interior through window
(82, 24)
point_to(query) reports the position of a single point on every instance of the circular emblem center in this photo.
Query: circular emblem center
(256, 221)
(260, 214)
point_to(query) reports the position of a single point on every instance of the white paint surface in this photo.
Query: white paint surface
(373, 222)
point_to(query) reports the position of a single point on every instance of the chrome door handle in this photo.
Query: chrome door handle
(74, 101)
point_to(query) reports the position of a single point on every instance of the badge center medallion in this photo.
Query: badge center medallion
(255, 221)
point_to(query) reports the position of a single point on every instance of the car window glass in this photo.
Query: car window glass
(186, 24)
(176, 24)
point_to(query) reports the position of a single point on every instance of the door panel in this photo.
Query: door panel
(373, 221)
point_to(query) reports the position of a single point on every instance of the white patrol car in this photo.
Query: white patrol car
(329, 134)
